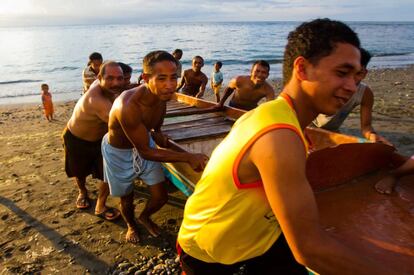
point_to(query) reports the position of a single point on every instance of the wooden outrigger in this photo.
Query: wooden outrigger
(341, 169)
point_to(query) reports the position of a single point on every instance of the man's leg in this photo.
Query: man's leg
(159, 197)
(82, 201)
(101, 209)
(127, 211)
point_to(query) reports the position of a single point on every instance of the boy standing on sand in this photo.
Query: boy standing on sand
(363, 97)
(90, 73)
(83, 134)
(194, 80)
(47, 102)
(217, 80)
(178, 54)
(129, 150)
(253, 204)
(249, 89)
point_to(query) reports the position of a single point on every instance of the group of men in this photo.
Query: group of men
(253, 204)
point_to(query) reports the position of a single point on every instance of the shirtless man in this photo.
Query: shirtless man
(129, 150)
(253, 204)
(249, 90)
(83, 135)
(194, 80)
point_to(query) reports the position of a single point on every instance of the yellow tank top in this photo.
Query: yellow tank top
(225, 221)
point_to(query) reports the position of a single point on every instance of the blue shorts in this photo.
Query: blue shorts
(123, 166)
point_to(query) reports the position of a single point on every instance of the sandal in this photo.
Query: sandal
(109, 214)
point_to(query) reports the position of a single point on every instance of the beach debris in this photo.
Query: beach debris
(397, 83)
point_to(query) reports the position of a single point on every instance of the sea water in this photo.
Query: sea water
(57, 54)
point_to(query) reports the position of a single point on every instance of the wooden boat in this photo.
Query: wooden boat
(341, 169)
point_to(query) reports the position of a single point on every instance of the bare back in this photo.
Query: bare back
(89, 119)
(133, 108)
(249, 95)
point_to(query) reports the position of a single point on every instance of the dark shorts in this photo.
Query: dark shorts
(277, 260)
(82, 158)
(243, 107)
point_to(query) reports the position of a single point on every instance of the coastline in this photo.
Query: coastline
(42, 231)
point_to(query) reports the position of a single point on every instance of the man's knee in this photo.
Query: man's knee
(159, 193)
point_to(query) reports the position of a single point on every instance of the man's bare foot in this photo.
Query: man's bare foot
(132, 236)
(152, 228)
(386, 185)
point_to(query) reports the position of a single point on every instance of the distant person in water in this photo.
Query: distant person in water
(217, 80)
(194, 80)
(387, 184)
(363, 97)
(129, 149)
(90, 73)
(249, 89)
(127, 70)
(178, 54)
(47, 102)
(83, 134)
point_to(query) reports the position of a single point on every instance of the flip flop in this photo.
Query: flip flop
(109, 214)
(82, 203)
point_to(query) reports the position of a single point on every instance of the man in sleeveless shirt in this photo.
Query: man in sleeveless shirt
(363, 97)
(253, 204)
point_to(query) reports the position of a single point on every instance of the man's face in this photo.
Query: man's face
(361, 75)
(331, 82)
(113, 80)
(163, 80)
(96, 64)
(177, 55)
(198, 63)
(259, 74)
(127, 79)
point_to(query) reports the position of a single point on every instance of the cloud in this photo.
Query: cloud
(140, 11)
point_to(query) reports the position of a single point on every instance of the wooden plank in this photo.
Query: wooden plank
(199, 132)
(172, 120)
(195, 123)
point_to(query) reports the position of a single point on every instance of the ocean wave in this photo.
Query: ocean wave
(393, 54)
(36, 94)
(19, 81)
(64, 68)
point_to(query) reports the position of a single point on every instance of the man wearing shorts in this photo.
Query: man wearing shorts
(83, 135)
(129, 150)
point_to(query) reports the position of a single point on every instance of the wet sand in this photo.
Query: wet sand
(42, 231)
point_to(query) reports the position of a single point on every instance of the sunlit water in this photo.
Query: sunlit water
(57, 55)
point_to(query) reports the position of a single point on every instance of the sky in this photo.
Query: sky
(74, 12)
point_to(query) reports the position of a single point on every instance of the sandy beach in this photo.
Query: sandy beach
(41, 231)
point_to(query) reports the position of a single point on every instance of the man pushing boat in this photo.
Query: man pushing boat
(129, 150)
(253, 204)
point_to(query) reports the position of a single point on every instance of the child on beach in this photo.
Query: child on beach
(217, 80)
(47, 102)
(387, 184)
(178, 54)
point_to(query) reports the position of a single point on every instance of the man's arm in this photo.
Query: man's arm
(280, 159)
(182, 81)
(227, 92)
(270, 93)
(202, 87)
(367, 130)
(131, 122)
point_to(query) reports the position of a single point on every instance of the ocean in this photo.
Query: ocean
(57, 54)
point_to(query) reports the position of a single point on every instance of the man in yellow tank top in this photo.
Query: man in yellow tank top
(253, 205)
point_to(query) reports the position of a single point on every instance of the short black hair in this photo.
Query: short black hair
(197, 56)
(365, 57)
(154, 57)
(263, 63)
(95, 56)
(220, 64)
(314, 40)
(179, 51)
(126, 69)
(106, 64)
(44, 85)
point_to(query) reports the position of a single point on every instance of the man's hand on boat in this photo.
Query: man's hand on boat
(197, 161)
(374, 137)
